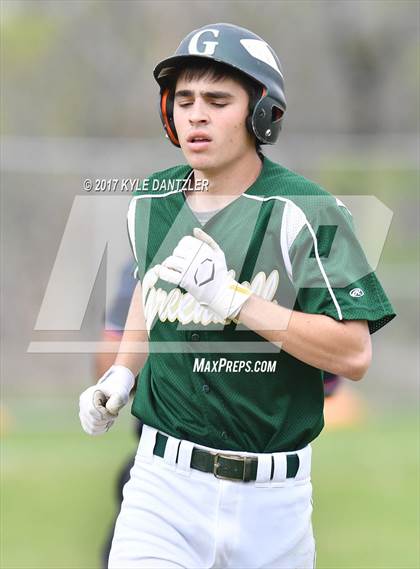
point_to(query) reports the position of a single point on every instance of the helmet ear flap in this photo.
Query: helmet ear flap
(255, 98)
(167, 115)
(266, 120)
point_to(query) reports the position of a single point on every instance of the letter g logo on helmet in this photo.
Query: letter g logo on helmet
(209, 46)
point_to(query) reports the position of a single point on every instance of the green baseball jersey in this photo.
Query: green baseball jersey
(216, 382)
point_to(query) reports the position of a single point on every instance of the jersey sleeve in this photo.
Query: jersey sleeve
(328, 267)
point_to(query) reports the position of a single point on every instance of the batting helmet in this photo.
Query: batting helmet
(241, 50)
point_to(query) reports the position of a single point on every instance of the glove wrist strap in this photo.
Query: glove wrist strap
(231, 297)
(121, 375)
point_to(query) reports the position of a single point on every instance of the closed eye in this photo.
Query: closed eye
(213, 104)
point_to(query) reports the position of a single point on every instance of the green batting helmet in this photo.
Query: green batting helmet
(239, 49)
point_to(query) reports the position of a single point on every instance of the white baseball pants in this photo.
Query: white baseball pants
(175, 517)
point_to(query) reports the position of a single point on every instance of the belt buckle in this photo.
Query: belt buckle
(229, 457)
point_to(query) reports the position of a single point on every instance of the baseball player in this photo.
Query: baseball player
(248, 287)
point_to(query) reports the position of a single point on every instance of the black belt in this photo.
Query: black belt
(227, 466)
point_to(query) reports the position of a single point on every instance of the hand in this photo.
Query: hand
(100, 404)
(198, 264)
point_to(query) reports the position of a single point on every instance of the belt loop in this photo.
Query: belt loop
(263, 470)
(304, 471)
(280, 468)
(184, 458)
(171, 451)
(147, 444)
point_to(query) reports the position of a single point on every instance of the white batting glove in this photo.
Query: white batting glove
(100, 404)
(198, 264)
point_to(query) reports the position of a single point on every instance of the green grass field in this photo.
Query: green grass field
(57, 493)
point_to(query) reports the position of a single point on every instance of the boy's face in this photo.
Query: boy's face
(210, 121)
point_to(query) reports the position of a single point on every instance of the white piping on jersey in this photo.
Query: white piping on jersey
(341, 204)
(131, 214)
(187, 179)
(283, 244)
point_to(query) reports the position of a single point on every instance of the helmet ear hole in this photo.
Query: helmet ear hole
(276, 114)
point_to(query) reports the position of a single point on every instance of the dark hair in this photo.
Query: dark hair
(216, 71)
